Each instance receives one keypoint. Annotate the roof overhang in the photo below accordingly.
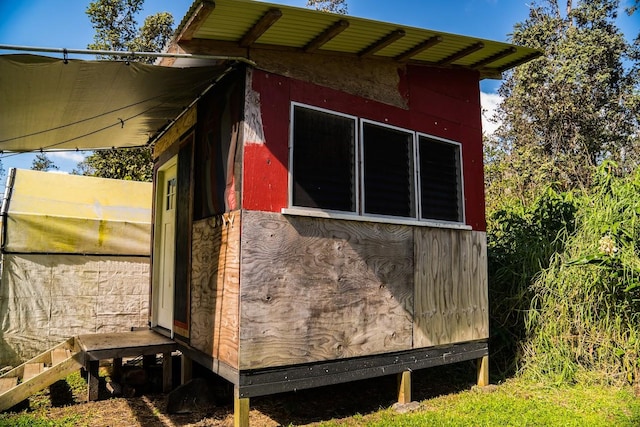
(54, 104)
(248, 25)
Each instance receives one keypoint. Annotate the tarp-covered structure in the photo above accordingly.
(75, 259)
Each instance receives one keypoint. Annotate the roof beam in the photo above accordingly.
(264, 23)
(326, 36)
(196, 20)
(520, 61)
(405, 56)
(380, 44)
(493, 58)
(461, 54)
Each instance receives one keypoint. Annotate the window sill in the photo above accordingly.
(316, 213)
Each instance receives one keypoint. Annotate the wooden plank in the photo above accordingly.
(44, 357)
(259, 28)
(215, 284)
(167, 372)
(7, 383)
(186, 369)
(124, 344)
(198, 17)
(175, 132)
(451, 297)
(320, 289)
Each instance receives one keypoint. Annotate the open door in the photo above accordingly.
(164, 245)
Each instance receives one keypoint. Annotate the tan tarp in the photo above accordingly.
(45, 299)
(57, 213)
(76, 260)
(47, 104)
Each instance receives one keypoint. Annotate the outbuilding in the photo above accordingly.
(319, 211)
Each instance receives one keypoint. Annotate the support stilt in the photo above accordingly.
(93, 379)
(167, 372)
(404, 387)
(240, 410)
(483, 371)
(186, 371)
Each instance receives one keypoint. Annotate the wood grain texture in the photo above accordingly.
(215, 286)
(451, 297)
(319, 289)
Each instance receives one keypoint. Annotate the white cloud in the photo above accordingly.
(74, 156)
(489, 103)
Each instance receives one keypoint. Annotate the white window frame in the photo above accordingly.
(358, 175)
(461, 200)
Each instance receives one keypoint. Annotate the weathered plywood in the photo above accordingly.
(215, 285)
(450, 287)
(319, 289)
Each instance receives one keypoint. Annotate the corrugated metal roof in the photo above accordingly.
(231, 20)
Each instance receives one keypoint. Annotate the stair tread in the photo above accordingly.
(7, 383)
(59, 355)
(31, 370)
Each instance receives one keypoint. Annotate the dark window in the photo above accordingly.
(323, 160)
(389, 187)
(440, 180)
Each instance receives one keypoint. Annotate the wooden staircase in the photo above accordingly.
(39, 372)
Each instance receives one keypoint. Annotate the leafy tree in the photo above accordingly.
(117, 29)
(572, 108)
(43, 163)
(335, 6)
(135, 164)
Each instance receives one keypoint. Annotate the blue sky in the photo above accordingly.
(64, 24)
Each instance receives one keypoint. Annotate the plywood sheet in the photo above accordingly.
(451, 299)
(215, 287)
(319, 289)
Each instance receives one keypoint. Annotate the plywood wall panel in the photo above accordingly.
(318, 289)
(215, 287)
(450, 287)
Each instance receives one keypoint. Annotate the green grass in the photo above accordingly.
(516, 403)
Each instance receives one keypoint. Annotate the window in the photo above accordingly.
(440, 180)
(323, 165)
(389, 180)
(381, 170)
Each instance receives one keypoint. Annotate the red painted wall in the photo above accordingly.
(442, 102)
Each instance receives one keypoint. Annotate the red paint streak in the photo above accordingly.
(442, 103)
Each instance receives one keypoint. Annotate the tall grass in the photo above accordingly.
(584, 319)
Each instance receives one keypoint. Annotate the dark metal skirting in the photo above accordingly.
(278, 380)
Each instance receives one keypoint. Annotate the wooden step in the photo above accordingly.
(31, 370)
(59, 355)
(7, 383)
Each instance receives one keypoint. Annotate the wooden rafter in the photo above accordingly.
(493, 58)
(461, 54)
(380, 44)
(198, 17)
(421, 47)
(326, 36)
(264, 23)
(520, 61)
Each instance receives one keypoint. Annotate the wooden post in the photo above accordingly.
(116, 371)
(483, 371)
(240, 409)
(167, 372)
(186, 369)
(93, 379)
(404, 387)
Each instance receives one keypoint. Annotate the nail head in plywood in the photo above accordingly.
(326, 36)
(259, 28)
